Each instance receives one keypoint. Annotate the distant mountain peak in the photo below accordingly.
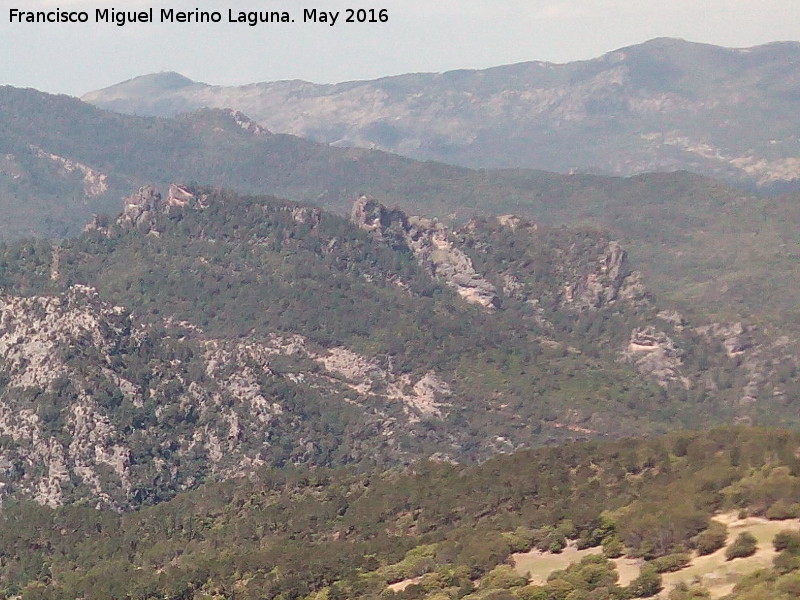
(663, 105)
(165, 82)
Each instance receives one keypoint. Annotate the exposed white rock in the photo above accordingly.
(140, 209)
(95, 183)
(179, 195)
(656, 356)
(608, 282)
(248, 124)
(344, 369)
(305, 215)
(34, 330)
(511, 221)
(431, 243)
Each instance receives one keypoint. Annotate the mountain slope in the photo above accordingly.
(663, 105)
(201, 335)
(441, 531)
(698, 242)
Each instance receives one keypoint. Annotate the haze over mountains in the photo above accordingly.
(208, 392)
(663, 105)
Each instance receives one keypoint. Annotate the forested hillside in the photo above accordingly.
(322, 534)
(237, 364)
(725, 253)
(201, 334)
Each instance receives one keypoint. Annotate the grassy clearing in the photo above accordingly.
(715, 573)
(537, 565)
(719, 575)
(401, 585)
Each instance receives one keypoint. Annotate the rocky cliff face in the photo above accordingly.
(608, 281)
(95, 183)
(657, 356)
(430, 242)
(444, 252)
(43, 340)
(79, 420)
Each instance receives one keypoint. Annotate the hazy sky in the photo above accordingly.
(430, 35)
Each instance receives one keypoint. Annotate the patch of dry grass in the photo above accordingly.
(715, 573)
(719, 575)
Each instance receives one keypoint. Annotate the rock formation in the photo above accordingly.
(431, 243)
(655, 355)
(608, 280)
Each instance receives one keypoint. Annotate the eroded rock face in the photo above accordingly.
(735, 337)
(179, 196)
(140, 209)
(655, 355)
(34, 329)
(65, 392)
(609, 280)
(305, 215)
(431, 243)
(41, 340)
(441, 251)
(764, 359)
(95, 183)
(246, 123)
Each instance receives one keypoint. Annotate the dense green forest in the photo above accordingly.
(225, 396)
(318, 533)
(208, 288)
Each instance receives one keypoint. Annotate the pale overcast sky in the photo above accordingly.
(421, 35)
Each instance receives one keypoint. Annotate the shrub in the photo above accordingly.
(786, 562)
(744, 545)
(683, 592)
(521, 539)
(612, 547)
(787, 539)
(670, 563)
(712, 539)
(783, 510)
(790, 585)
(503, 577)
(647, 584)
(532, 592)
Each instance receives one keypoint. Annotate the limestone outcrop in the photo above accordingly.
(656, 356)
(432, 245)
(608, 280)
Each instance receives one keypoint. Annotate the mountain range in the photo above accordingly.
(699, 243)
(240, 364)
(663, 105)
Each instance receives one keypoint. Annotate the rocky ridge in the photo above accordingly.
(124, 406)
(656, 348)
(430, 242)
(443, 252)
(47, 343)
(95, 183)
